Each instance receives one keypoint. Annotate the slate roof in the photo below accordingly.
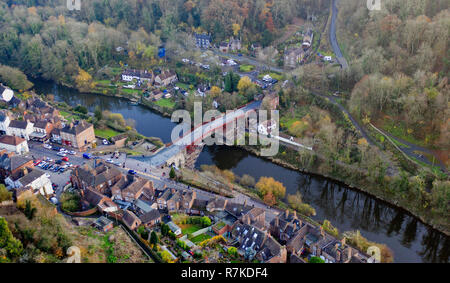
(18, 124)
(30, 177)
(13, 162)
(150, 216)
(76, 128)
(42, 124)
(96, 176)
(129, 218)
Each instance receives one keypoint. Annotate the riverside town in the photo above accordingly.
(246, 133)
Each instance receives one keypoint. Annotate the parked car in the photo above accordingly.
(72, 152)
(65, 158)
(110, 161)
(55, 148)
(87, 155)
(105, 142)
(47, 146)
(132, 172)
(61, 154)
(36, 163)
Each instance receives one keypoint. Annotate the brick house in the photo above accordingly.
(12, 165)
(129, 188)
(100, 178)
(79, 135)
(151, 218)
(131, 220)
(42, 130)
(165, 78)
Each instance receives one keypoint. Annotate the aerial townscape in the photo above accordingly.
(354, 98)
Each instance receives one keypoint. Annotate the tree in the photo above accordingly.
(164, 229)
(172, 173)
(269, 184)
(29, 210)
(83, 80)
(247, 181)
(236, 29)
(206, 222)
(215, 91)
(316, 259)
(11, 245)
(98, 113)
(14, 78)
(245, 84)
(4, 193)
(154, 240)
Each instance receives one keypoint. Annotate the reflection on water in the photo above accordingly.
(410, 240)
(148, 123)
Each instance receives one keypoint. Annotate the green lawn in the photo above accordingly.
(182, 85)
(131, 91)
(246, 68)
(103, 82)
(106, 134)
(164, 102)
(398, 129)
(189, 228)
(200, 238)
(274, 75)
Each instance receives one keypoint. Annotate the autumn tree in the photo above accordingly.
(267, 185)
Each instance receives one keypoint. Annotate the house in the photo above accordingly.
(272, 252)
(157, 94)
(235, 44)
(308, 240)
(4, 123)
(6, 94)
(13, 144)
(104, 224)
(308, 39)
(174, 200)
(21, 129)
(151, 218)
(12, 165)
(131, 220)
(202, 40)
(140, 75)
(293, 57)
(255, 217)
(285, 226)
(174, 228)
(143, 207)
(42, 130)
(100, 178)
(92, 198)
(256, 48)
(79, 135)
(216, 204)
(224, 46)
(119, 140)
(56, 135)
(165, 78)
(129, 188)
(33, 178)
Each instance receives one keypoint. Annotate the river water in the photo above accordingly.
(347, 209)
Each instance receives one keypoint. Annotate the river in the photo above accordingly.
(347, 209)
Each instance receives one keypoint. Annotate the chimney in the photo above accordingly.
(25, 171)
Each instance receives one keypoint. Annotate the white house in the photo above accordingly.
(14, 144)
(35, 179)
(4, 123)
(6, 94)
(21, 129)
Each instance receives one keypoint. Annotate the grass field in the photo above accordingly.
(106, 134)
(164, 102)
(246, 68)
(398, 129)
(200, 238)
(189, 228)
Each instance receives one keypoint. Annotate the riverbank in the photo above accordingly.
(440, 224)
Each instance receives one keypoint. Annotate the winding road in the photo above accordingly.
(333, 40)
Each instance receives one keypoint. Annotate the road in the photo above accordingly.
(248, 60)
(333, 39)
